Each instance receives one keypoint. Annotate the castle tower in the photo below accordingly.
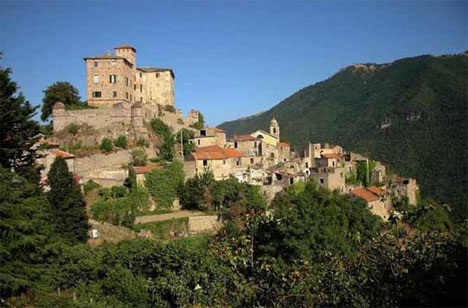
(274, 128)
(127, 52)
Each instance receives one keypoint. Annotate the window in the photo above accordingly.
(96, 63)
(157, 75)
(238, 162)
(235, 145)
(141, 99)
(203, 133)
(134, 87)
(114, 93)
(112, 78)
(113, 63)
(333, 163)
(224, 161)
(274, 130)
(141, 88)
(198, 141)
(126, 81)
(126, 95)
(307, 165)
(97, 94)
(205, 162)
(96, 78)
(322, 181)
(341, 174)
(251, 160)
(141, 75)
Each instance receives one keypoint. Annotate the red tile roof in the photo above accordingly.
(48, 142)
(284, 144)
(376, 190)
(146, 169)
(243, 138)
(219, 130)
(232, 153)
(365, 194)
(215, 152)
(332, 155)
(60, 153)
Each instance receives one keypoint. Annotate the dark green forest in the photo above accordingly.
(424, 99)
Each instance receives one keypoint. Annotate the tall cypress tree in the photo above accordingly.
(68, 205)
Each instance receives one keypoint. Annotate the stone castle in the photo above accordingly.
(123, 96)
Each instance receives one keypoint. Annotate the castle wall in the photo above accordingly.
(158, 88)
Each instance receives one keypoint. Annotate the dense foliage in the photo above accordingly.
(163, 184)
(119, 205)
(16, 125)
(167, 140)
(68, 206)
(61, 91)
(423, 99)
(107, 145)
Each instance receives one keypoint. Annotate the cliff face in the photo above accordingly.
(410, 114)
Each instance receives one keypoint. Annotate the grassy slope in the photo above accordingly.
(348, 108)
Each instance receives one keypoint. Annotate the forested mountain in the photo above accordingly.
(410, 114)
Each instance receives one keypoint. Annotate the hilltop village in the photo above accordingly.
(123, 99)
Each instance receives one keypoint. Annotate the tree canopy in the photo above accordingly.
(60, 91)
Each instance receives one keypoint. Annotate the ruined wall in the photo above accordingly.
(102, 162)
(202, 224)
(119, 116)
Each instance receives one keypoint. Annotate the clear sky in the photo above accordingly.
(231, 58)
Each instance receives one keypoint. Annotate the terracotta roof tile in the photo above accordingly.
(48, 142)
(243, 138)
(284, 144)
(215, 152)
(365, 194)
(332, 155)
(61, 153)
(146, 169)
(376, 190)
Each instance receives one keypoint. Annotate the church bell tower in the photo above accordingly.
(274, 128)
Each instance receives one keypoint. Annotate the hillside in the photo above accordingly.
(410, 114)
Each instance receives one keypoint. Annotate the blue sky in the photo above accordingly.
(231, 58)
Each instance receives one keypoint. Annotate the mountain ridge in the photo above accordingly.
(410, 114)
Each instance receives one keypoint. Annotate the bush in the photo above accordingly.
(90, 186)
(160, 128)
(106, 145)
(139, 157)
(121, 142)
(164, 184)
(169, 108)
(113, 192)
(142, 142)
(73, 129)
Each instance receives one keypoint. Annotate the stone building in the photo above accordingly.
(115, 78)
(209, 136)
(376, 199)
(223, 162)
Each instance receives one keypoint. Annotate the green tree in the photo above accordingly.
(68, 205)
(185, 135)
(16, 124)
(164, 184)
(61, 91)
(201, 122)
(26, 232)
(139, 157)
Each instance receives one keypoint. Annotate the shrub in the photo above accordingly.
(113, 192)
(73, 129)
(121, 142)
(169, 108)
(163, 184)
(139, 157)
(106, 145)
(90, 186)
(142, 142)
(160, 128)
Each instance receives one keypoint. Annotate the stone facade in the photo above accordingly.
(113, 79)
